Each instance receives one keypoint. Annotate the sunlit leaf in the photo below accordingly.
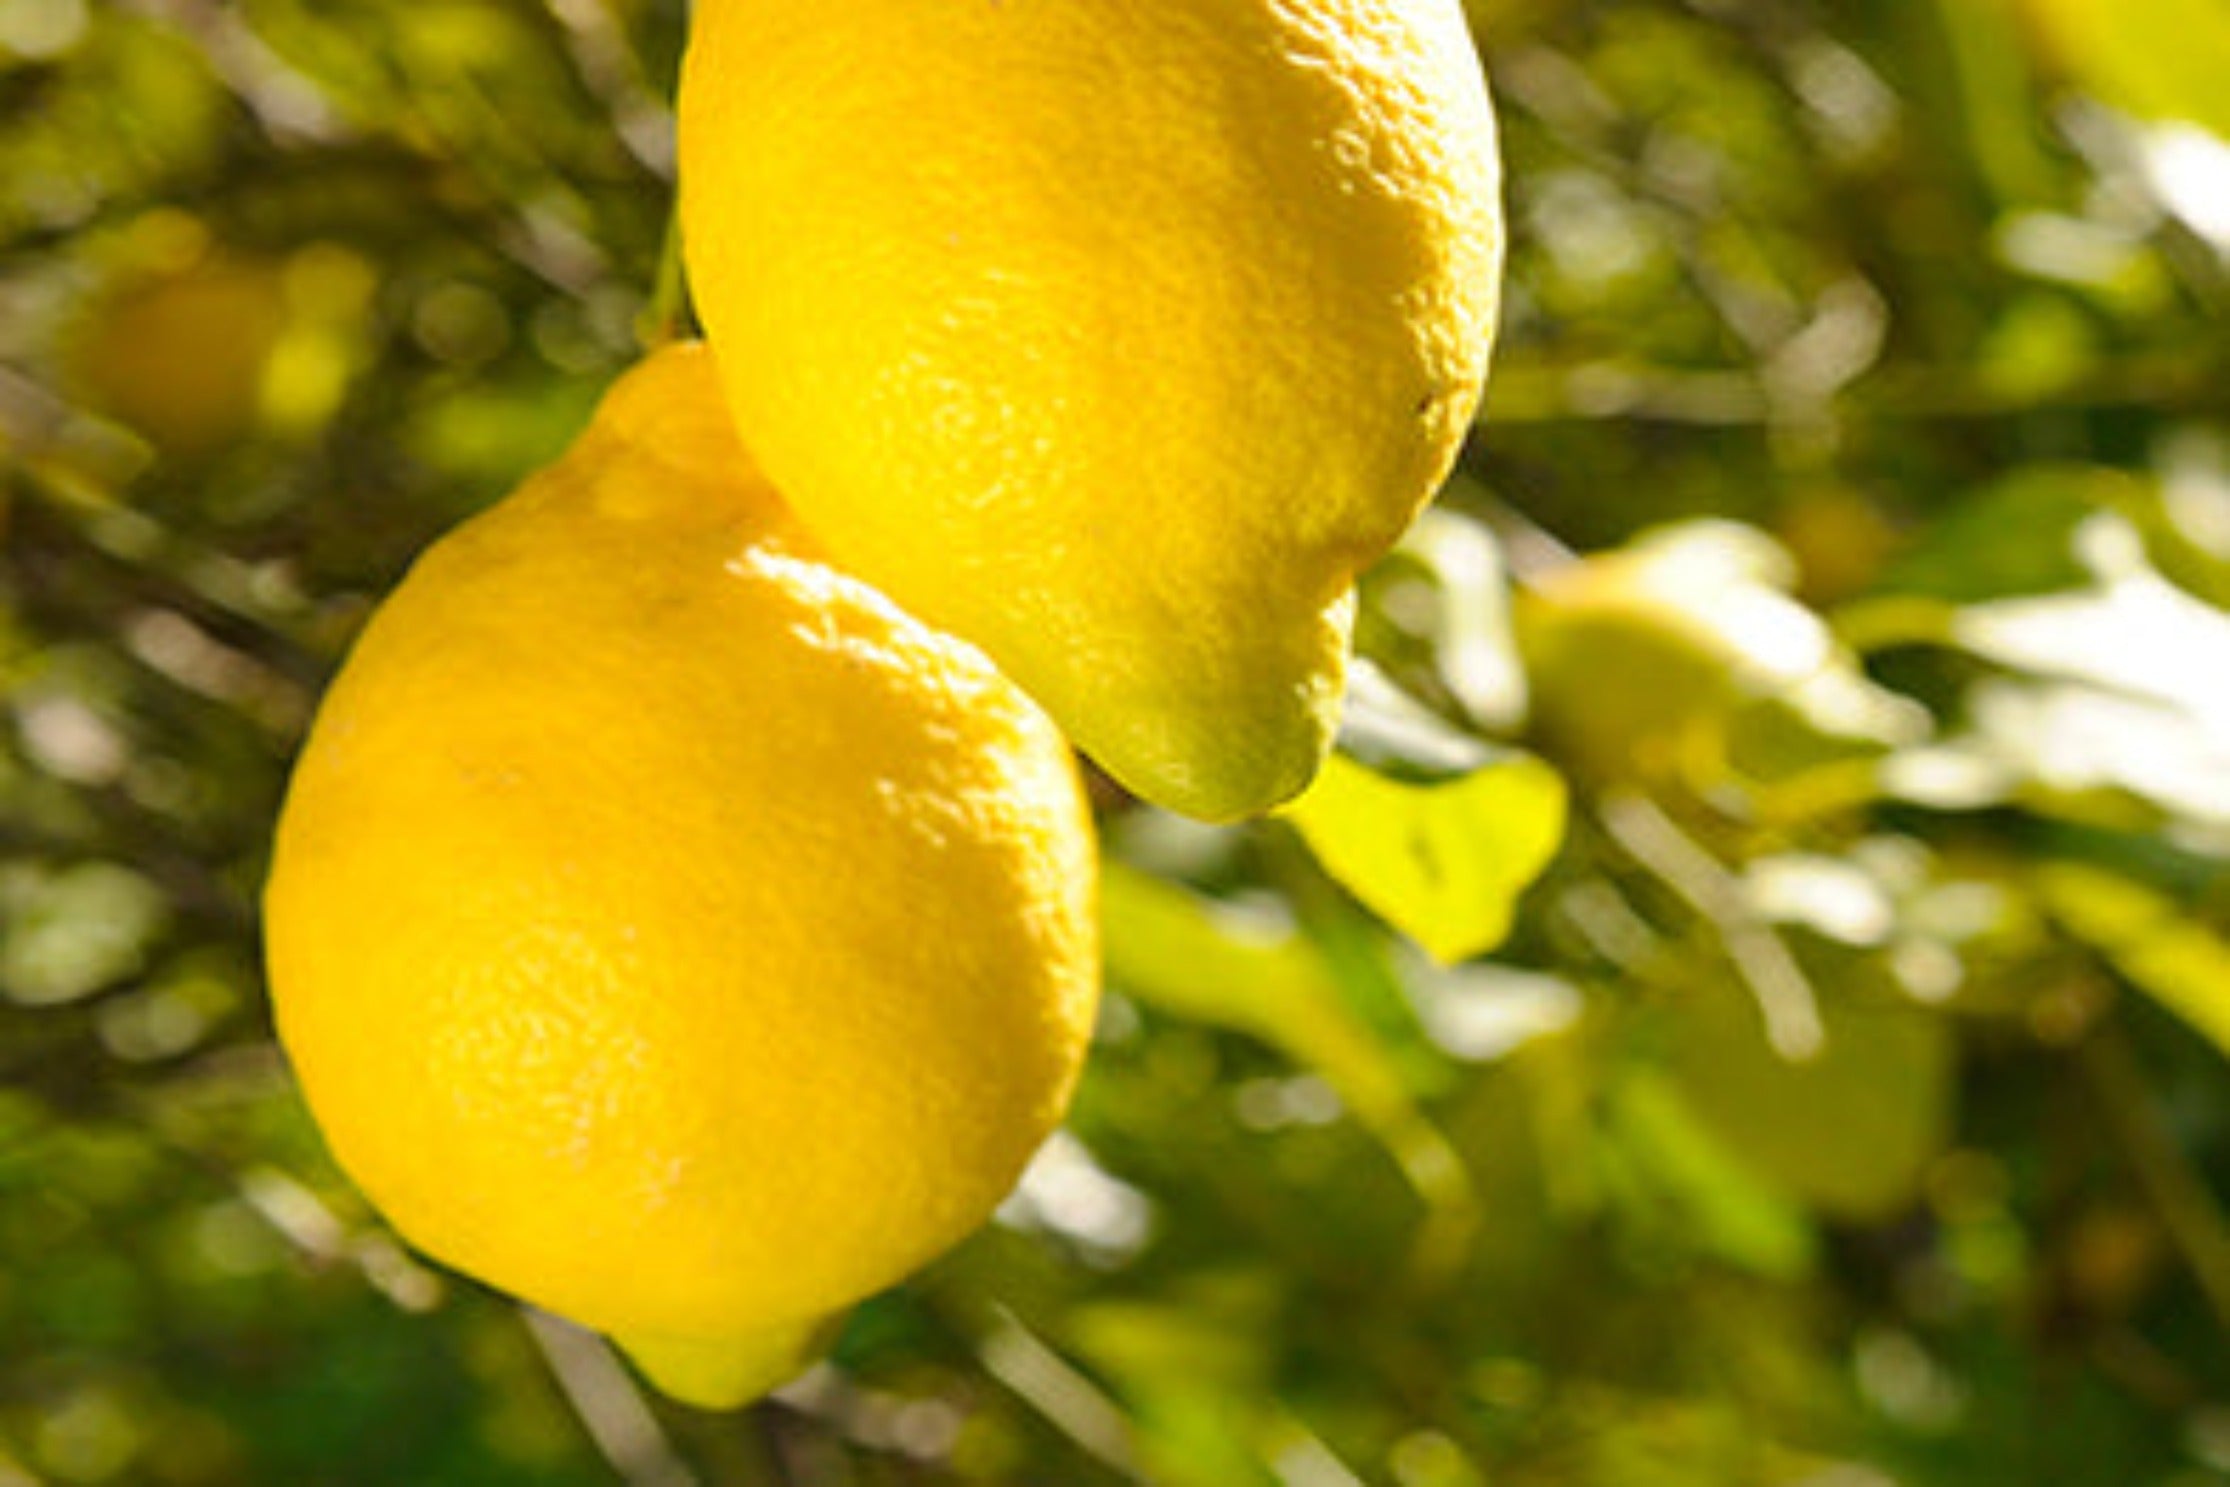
(2154, 58)
(1474, 649)
(2131, 692)
(2069, 739)
(2135, 633)
(1444, 863)
(2154, 942)
(2190, 169)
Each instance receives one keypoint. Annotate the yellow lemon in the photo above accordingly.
(1639, 659)
(1115, 337)
(1626, 684)
(665, 927)
(183, 356)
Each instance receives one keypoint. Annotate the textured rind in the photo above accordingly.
(664, 927)
(1117, 338)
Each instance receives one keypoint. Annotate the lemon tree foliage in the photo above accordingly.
(1442, 861)
(1747, 1004)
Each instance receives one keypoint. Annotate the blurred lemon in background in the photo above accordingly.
(197, 344)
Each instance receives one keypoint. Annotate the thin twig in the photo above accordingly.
(1051, 1385)
(1784, 995)
(610, 1406)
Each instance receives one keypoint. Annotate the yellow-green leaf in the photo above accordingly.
(2156, 58)
(2150, 939)
(1443, 862)
(1726, 1206)
(1849, 1131)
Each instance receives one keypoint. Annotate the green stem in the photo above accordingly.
(664, 319)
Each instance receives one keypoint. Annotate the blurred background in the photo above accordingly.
(1749, 1007)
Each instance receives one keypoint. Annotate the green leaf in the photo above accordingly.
(1232, 966)
(1850, 1131)
(75, 931)
(2155, 58)
(2150, 939)
(1250, 970)
(1443, 863)
(1229, 965)
(2012, 537)
(1724, 1206)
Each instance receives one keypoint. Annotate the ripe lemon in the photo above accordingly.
(1639, 659)
(1117, 337)
(224, 315)
(666, 928)
(1626, 684)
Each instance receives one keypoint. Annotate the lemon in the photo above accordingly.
(664, 927)
(224, 315)
(1116, 338)
(1640, 659)
(1627, 684)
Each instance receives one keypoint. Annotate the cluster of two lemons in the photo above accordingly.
(682, 934)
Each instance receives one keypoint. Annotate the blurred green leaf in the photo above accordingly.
(2155, 58)
(1723, 1205)
(1247, 970)
(1444, 863)
(66, 934)
(1850, 1130)
(1228, 965)
(2154, 942)
(2014, 536)
(2131, 692)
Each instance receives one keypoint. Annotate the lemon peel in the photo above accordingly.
(666, 928)
(1116, 338)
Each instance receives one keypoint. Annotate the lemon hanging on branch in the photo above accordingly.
(1115, 338)
(666, 928)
